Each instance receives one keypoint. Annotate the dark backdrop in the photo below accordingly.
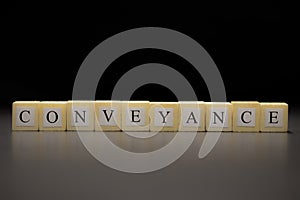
(43, 46)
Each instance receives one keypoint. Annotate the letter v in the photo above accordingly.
(106, 116)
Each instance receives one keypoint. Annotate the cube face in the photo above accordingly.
(274, 117)
(164, 116)
(52, 116)
(25, 115)
(108, 115)
(80, 115)
(135, 115)
(246, 116)
(192, 116)
(218, 116)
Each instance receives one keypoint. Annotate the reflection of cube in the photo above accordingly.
(108, 115)
(274, 117)
(53, 116)
(135, 115)
(25, 115)
(80, 115)
(246, 116)
(164, 116)
(218, 116)
(192, 116)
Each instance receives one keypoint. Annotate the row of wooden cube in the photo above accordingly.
(237, 116)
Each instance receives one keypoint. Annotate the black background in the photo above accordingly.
(254, 46)
(43, 46)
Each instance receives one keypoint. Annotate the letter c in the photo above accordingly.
(21, 116)
(242, 117)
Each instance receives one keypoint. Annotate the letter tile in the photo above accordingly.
(52, 116)
(274, 117)
(135, 115)
(246, 116)
(108, 115)
(164, 116)
(218, 116)
(192, 116)
(80, 115)
(25, 115)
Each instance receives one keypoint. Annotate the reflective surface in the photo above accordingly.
(55, 165)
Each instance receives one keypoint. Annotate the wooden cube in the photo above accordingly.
(164, 116)
(192, 116)
(218, 116)
(25, 115)
(80, 115)
(108, 115)
(246, 116)
(52, 116)
(274, 117)
(135, 115)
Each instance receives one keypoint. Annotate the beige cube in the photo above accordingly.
(218, 116)
(80, 115)
(164, 116)
(192, 116)
(25, 115)
(108, 115)
(274, 117)
(246, 115)
(53, 116)
(135, 115)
